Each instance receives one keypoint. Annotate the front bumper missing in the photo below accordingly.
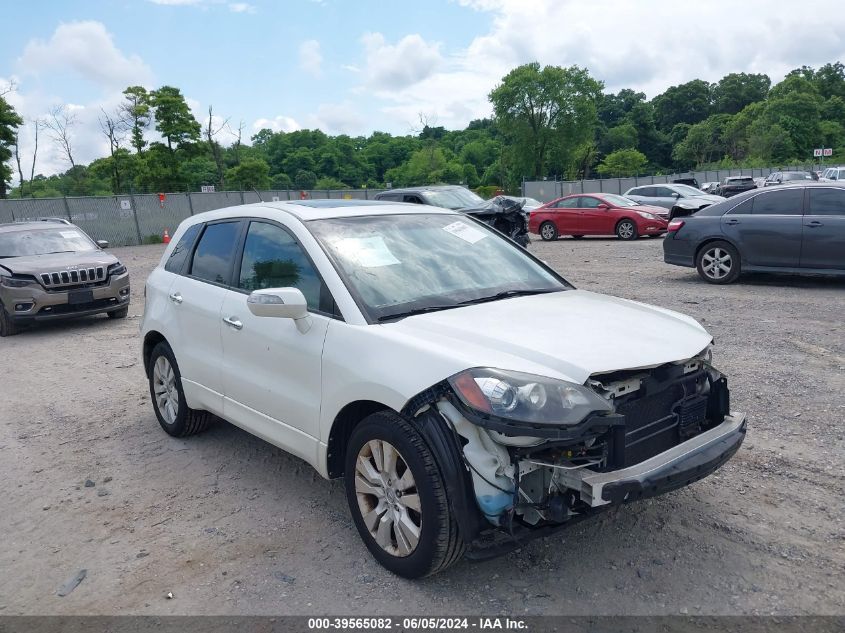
(680, 465)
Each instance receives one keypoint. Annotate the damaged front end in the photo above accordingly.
(504, 215)
(535, 453)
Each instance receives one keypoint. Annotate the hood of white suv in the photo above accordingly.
(570, 335)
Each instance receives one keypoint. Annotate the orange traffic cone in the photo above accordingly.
(166, 237)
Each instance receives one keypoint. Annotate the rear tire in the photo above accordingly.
(7, 326)
(548, 231)
(718, 263)
(168, 398)
(398, 499)
(626, 230)
(119, 314)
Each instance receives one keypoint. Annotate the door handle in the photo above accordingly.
(233, 322)
(175, 297)
(814, 224)
(731, 222)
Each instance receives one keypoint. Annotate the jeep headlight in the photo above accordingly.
(525, 397)
(12, 282)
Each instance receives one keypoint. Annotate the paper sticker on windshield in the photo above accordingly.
(464, 231)
(367, 252)
(69, 234)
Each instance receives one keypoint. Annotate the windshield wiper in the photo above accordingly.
(424, 310)
(57, 252)
(505, 294)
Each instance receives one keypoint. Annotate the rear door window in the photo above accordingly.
(780, 202)
(588, 202)
(826, 201)
(214, 256)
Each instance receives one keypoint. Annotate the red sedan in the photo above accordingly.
(597, 214)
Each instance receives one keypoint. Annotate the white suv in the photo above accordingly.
(462, 387)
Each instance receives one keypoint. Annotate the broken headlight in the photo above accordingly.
(525, 397)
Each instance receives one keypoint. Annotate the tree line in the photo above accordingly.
(547, 121)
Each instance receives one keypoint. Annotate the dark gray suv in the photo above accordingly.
(795, 228)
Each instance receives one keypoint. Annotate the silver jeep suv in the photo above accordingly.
(50, 269)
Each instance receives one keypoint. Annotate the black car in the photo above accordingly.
(793, 228)
(503, 213)
(734, 185)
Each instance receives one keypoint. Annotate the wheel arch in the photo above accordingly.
(344, 423)
(151, 339)
(715, 238)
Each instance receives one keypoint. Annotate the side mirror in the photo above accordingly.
(603, 206)
(281, 303)
(675, 194)
(102, 243)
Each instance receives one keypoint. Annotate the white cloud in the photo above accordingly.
(279, 123)
(310, 58)
(86, 48)
(619, 41)
(394, 67)
(336, 118)
(241, 7)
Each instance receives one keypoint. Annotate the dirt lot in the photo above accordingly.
(231, 525)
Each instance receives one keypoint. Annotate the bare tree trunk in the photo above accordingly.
(216, 154)
(38, 123)
(18, 161)
(114, 128)
(60, 124)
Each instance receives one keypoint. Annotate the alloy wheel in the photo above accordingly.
(548, 232)
(626, 230)
(166, 392)
(388, 498)
(717, 263)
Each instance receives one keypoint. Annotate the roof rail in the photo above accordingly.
(59, 220)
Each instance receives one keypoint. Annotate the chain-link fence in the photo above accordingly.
(547, 190)
(133, 219)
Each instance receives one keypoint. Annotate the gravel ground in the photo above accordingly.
(231, 525)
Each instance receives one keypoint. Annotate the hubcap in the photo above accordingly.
(716, 263)
(626, 230)
(387, 498)
(164, 387)
(548, 231)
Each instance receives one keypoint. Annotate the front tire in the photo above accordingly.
(626, 230)
(122, 313)
(398, 499)
(171, 409)
(548, 231)
(718, 263)
(7, 326)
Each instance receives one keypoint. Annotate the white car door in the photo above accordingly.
(197, 296)
(272, 370)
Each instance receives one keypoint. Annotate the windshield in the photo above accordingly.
(620, 201)
(453, 198)
(796, 175)
(399, 264)
(687, 190)
(66, 239)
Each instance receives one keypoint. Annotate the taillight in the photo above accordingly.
(675, 225)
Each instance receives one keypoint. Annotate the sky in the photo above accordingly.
(358, 66)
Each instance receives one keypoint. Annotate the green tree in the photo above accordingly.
(623, 162)
(305, 179)
(251, 173)
(735, 91)
(621, 136)
(545, 111)
(174, 119)
(9, 123)
(136, 110)
(685, 103)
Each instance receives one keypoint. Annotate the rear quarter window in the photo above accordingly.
(827, 201)
(179, 254)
